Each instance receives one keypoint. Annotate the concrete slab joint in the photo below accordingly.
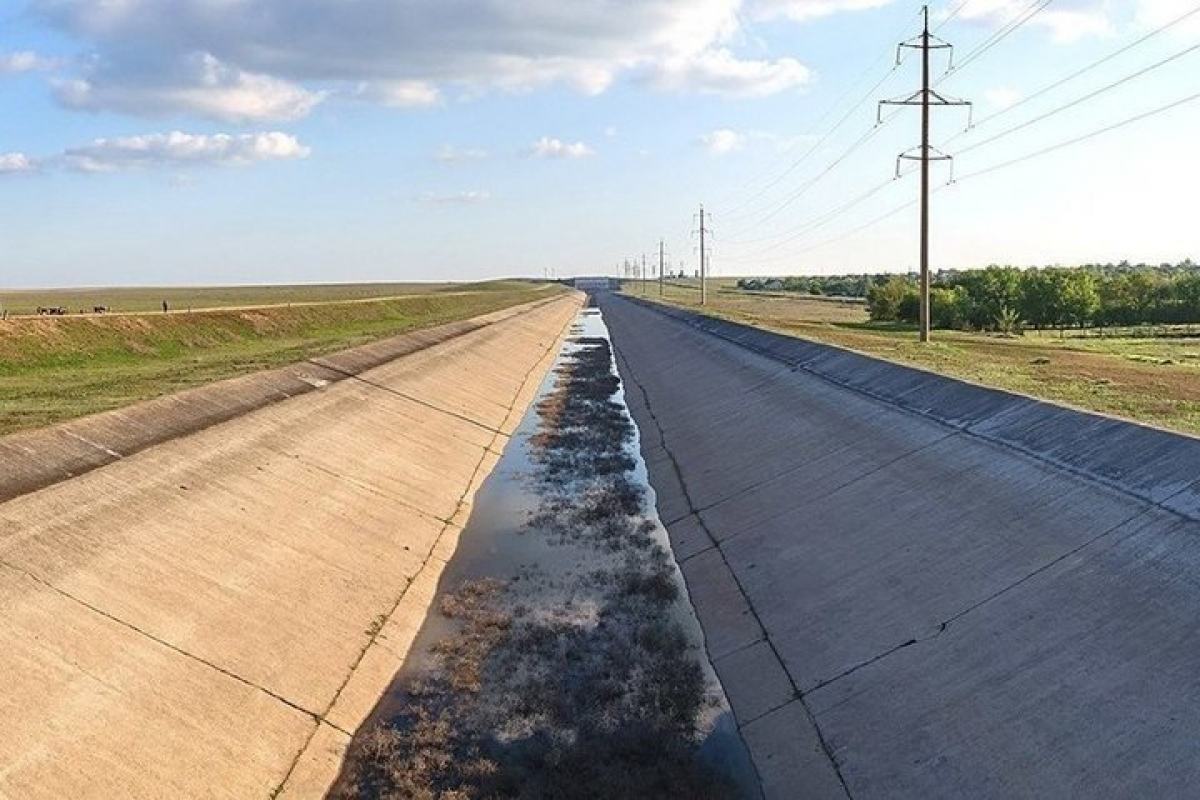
(217, 612)
(913, 587)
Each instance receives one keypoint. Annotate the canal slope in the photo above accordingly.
(561, 657)
(912, 587)
(213, 615)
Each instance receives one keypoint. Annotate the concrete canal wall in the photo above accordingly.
(215, 601)
(915, 587)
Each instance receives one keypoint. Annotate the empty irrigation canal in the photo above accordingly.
(913, 587)
(562, 658)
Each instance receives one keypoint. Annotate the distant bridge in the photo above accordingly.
(594, 284)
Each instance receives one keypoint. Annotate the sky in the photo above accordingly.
(202, 142)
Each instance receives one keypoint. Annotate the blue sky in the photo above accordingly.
(247, 141)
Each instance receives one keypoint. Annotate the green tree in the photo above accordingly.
(1078, 299)
(885, 300)
(949, 307)
(988, 291)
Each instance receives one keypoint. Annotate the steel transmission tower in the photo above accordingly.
(925, 98)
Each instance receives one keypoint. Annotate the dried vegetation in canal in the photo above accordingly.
(576, 682)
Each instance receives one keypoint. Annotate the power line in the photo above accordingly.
(734, 212)
(824, 138)
(1079, 139)
(853, 231)
(1031, 11)
(1083, 71)
(816, 222)
(808, 185)
(1084, 99)
(952, 15)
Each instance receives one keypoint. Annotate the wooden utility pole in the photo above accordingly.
(662, 254)
(924, 98)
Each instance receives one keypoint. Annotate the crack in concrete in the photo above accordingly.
(682, 561)
(793, 699)
(891, 401)
(431, 406)
(367, 487)
(847, 484)
(945, 625)
(158, 640)
(377, 630)
(797, 694)
(106, 450)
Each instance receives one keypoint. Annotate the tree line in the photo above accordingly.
(1009, 299)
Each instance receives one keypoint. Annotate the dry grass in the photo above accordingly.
(144, 299)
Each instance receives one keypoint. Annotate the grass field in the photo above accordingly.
(1148, 378)
(58, 368)
(141, 299)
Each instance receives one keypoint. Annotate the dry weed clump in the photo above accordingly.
(576, 684)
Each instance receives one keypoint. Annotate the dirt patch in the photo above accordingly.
(571, 679)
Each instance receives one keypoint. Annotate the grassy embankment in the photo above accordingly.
(1139, 375)
(182, 298)
(58, 368)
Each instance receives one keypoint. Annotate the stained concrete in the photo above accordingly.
(214, 615)
(970, 593)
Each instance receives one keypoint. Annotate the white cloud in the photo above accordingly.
(720, 72)
(721, 142)
(175, 150)
(555, 148)
(25, 61)
(16, 164)
(449, 154)
(1002, 97)
(1066, 24)
(255, 60)
(1155, 13)
(200, 84)
(456, 198)
(805, 10)
(402, 94)
(612, 132)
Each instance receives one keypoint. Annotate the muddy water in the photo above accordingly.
(546, 595)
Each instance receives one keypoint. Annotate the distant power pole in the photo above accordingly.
(703, 260)
(643, 274)
(662, 255)
(925, 98)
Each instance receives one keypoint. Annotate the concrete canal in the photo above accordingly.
(562, 657)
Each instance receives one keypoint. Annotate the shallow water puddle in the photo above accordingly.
(562, 658)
